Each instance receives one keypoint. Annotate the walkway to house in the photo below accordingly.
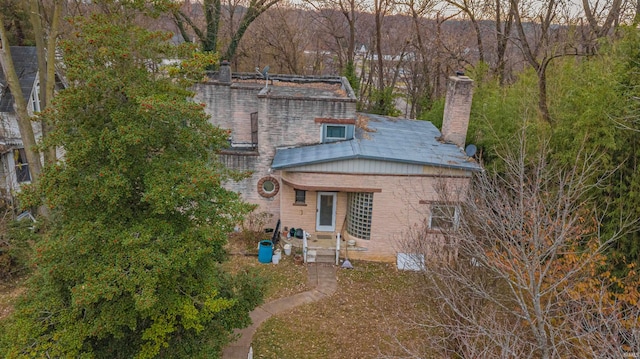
(321, 277)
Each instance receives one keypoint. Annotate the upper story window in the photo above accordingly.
(336, 129)
(337, 132)
(331, 132)
(35, 98)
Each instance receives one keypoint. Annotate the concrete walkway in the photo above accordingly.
(321, 277)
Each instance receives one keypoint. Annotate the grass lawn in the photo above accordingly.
(284, 279)
(366, 318)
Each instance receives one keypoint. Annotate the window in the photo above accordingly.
(337, 132)
(334, 133)
(35, 98)
(443, 216)
(22, 166)
(301, 196)
(268, 187)
(359, 211)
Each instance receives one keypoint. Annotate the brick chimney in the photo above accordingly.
(457, 109)
(224, 75)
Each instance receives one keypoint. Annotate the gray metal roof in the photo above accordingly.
(386, 139)
(26, 63)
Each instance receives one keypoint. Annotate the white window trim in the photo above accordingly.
(456, 215)
(325, 136)
(35, 98)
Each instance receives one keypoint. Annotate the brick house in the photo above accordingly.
(318, 164)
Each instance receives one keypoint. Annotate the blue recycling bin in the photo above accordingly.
(265, 252)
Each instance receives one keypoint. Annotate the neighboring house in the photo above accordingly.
(317, 164)
(14, 169)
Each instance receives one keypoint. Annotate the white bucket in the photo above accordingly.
(275, 259)
(287, 249)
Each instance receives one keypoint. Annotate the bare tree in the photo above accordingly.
(209, 33)
(519, 270)
(284, 34)
(342, 29)
(472, 9)
(541, 39)
(601, 19)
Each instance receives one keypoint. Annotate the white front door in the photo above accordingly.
(326, 212)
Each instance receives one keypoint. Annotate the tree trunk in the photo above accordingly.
(247, 19)
(542, 93)
(45, 62)
(212, 9)
(379, 14)
(24, 120)
(50, 155)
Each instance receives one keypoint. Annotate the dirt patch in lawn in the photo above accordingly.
(368, 317)
(10, 290)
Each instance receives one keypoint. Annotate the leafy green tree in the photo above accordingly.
(498, 115)
(382, 102)
(623, 191)
(131, 265)
(350, 73)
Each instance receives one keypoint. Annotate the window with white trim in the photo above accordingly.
(359, 213)
(21, 165)
(444, 216)
(35, 98)
(337, 132)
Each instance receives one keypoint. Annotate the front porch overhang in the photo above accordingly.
(314, 186)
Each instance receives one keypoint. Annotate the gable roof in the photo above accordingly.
(385, 139)
(25, 61)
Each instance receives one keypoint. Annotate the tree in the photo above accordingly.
(20, 105)
(131, 265)
(209, 36)
(46, 52)
(16, 22)
(528, 277)
(46, 81)
(282, 35)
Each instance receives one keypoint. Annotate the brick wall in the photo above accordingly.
(230, 107)
(457, 109)
(282, 121)
(403, 202)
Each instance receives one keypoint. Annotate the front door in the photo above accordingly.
(326, 212)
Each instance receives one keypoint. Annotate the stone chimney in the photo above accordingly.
(457, 109)
(224, 75)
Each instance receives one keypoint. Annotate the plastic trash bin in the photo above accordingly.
(265, 252)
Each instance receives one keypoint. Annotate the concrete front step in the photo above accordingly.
(321, 256)
(326, 259)
(322, 251)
